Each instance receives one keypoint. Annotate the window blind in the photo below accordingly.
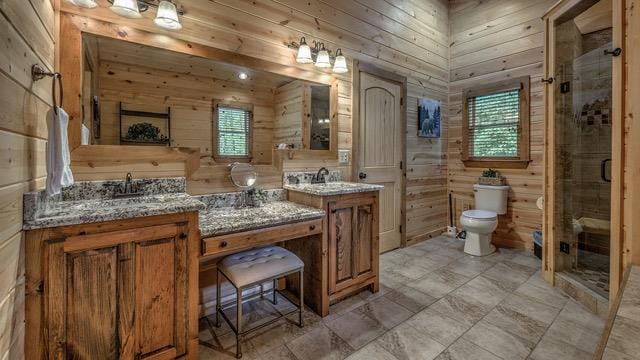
(494, 124)
(233, 131)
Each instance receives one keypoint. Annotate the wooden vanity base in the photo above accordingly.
(125, 289)
(351, 235)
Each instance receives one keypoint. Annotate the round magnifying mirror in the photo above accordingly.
(243, 175)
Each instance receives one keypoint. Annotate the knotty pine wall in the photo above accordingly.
(491, 41)
(191, 98)
(289, 100)
(27, 29)
(409, 37)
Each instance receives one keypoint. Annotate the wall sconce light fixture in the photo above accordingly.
(318, 55)
(166, 15)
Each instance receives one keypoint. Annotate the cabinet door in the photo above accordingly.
(118, 295)
(353, 242)
(342, 267)
(366, 253)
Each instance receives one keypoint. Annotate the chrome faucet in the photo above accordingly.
(321, 176)
(130, 188)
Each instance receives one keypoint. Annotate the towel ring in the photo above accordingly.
(38, 73)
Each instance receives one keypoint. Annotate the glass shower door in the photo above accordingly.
(583, 90)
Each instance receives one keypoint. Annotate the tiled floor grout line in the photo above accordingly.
(453, 260)
(415, 314)
(444, 251)
(484, 316)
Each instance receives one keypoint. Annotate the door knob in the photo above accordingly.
(362, 176)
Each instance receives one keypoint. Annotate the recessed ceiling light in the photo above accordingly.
(243, 75)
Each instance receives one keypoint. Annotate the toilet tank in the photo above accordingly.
(491, 197)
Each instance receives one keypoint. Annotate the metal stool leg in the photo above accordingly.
(238, 322)
(300, 274)
(275, 286)
(218, 299)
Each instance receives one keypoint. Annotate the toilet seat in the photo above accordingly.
(480, 215)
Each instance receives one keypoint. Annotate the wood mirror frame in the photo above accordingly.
(72, 65)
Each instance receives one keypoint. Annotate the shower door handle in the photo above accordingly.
(603, 170)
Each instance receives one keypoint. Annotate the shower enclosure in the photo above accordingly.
(578, 151)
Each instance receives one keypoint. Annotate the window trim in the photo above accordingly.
(215, 138)
(524, 157)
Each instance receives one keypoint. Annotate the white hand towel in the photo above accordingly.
(85, 135)
(58, 158)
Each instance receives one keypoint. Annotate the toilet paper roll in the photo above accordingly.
(540, 203)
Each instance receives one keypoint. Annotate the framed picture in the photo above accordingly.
(429, 118)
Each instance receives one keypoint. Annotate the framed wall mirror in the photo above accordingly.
(135, 94)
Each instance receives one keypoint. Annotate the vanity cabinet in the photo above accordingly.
(352, 237)
(351, 242)
(114, 290)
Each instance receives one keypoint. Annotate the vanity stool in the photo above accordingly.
(252, 268)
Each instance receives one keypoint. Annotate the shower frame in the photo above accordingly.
(560, 12)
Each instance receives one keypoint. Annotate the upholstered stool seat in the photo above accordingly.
(252, 268)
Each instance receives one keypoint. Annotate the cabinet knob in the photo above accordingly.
(223, 244)
(183, 236)
(312, 227)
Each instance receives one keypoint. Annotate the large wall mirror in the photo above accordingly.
(134, 94)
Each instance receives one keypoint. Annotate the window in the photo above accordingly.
(495, 129)
(232, 132)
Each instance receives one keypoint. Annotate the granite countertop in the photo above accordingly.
(97, 210)
(223, 220)
(333, 188)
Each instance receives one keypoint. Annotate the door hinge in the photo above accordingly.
(401, 165)
(400, 229)
(401, 101)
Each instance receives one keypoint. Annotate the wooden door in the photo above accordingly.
(118, 295)
(380, 151)
(353, 248)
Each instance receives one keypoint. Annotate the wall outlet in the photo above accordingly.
(343, 157)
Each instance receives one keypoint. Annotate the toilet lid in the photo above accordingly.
(480, 214)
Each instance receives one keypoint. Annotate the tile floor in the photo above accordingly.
(435, 302)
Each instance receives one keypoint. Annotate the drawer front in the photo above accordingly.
(229, 243)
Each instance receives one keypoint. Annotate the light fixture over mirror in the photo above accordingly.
(87, 4)
(319, 55)
(304, 53)
(126, 8)
(167, 14)
(340, 63)
(322, 60)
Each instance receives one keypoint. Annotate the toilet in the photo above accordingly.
(479, 223)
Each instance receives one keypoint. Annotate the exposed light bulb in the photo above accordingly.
(167, 16)
(304, 53)
(126, 8)
(323, 61)
(87, 4)
(340, 64)
(243, 75)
